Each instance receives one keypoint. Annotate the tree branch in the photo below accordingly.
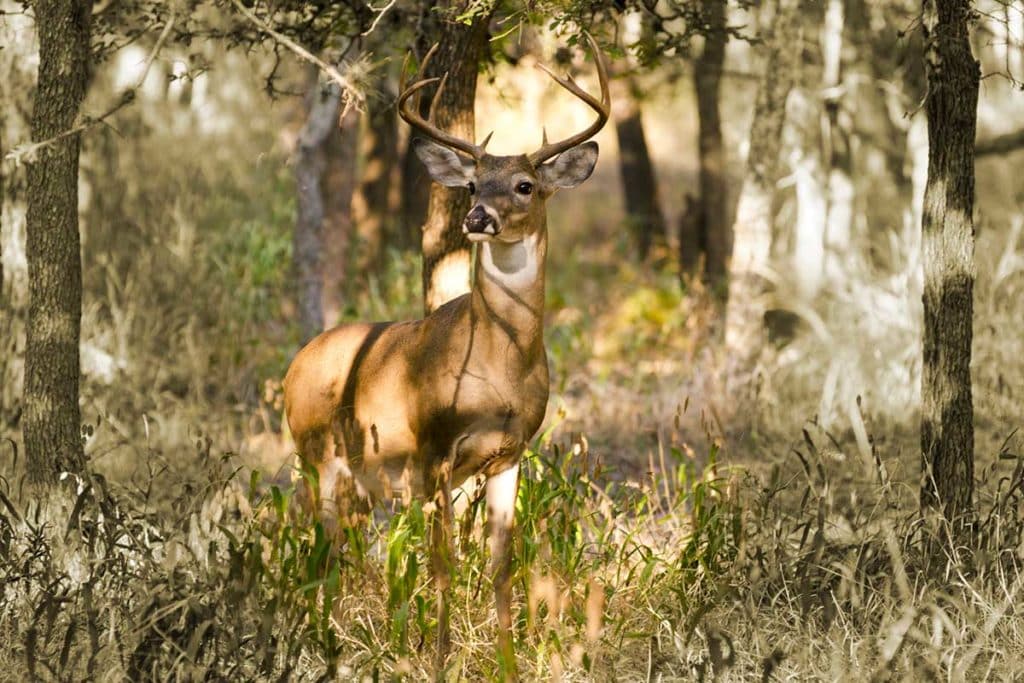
(348, 88)
(1001, 144)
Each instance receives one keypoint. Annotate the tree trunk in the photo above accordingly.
(947, 428)
(804, 140)
(836, 148)
(643, 212)
(52, 422)
(445, 249)
(712, 223)
(308, 239)
(338, 185)
(371, 208)
(744, 319)
(691, 251)
(3, 295)
(415, 195)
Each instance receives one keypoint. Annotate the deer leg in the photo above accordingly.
(502, 489)
(440, 559)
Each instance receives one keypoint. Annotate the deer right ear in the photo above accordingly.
(444, 165)
(570, 168)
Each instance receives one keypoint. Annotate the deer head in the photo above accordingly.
(508, 192)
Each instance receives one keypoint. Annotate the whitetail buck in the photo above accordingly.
(413, 409)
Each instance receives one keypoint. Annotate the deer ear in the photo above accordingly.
(443, 165)
(570, 168)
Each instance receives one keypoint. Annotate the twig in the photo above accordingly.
(349, 90)
(29, 151)
(380, 15)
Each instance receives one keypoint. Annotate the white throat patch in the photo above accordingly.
(514, 265)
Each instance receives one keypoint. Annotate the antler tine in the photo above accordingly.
(411, 115)
(602, 107)
(427, 57)
(437, 97)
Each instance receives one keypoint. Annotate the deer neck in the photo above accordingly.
(508, 292)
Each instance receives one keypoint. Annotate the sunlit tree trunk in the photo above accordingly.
(52, 422)
(947, 428)
(805, 142)
(836, 147)
(338, 185)
(640, 188)
(744, 328)
(308, 238)
(445, 249)
(371, 206)
(712, 217)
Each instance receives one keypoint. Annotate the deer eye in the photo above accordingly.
(472, 188)
(524, 187)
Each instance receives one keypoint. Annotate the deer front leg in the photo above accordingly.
(502, 489)
(440, 559)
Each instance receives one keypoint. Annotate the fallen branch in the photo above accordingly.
(28, 152)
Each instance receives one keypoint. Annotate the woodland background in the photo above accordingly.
(732, 481)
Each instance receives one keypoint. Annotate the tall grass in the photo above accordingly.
(710, 573)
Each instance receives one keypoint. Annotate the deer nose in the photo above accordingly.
(479, 221)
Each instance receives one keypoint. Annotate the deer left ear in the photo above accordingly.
(571, 167)
(443, 165)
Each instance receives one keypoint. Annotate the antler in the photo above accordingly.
(412, 116)
(603, 108)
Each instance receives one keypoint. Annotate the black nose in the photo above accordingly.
(478, 220)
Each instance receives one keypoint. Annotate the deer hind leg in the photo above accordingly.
(441, 555)
(502, 489)
(328, 490)
(309, 458)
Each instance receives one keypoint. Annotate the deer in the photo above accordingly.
(403, 410)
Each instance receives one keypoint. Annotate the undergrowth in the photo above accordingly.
(707, 574)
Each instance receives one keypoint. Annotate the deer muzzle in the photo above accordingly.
(480, 221)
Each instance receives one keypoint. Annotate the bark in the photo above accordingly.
(947, 429)
(744, 320)
(338, 185)
(640, 189)
(308, 239)
(713, 226)
(52, 422)
(371, 206)
(445, 250)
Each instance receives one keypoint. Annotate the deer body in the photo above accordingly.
(397, 402)
(412, 409)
